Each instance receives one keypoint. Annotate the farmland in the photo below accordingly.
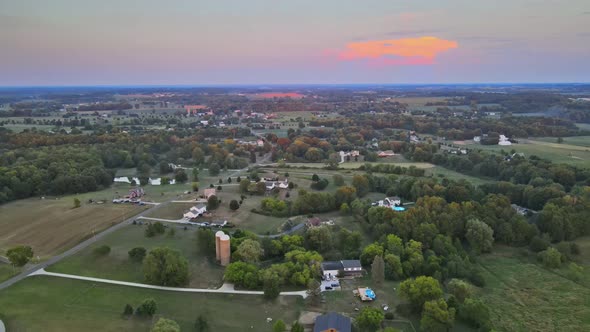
(116, 265)
(56, 224)
(54, 304)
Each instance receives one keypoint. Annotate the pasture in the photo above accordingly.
(54, 304)
(524, 296)
(117, 265)
(574, 155)
(51, 226)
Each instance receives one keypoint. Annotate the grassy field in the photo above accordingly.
(583, 141)
(7, 271)
(524, 296)
(438, 170)
(51, 226)
(116, 265)
(585, 126)
(355, 165)
(54, 304)
(558, 153)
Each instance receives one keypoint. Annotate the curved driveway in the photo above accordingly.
(225, 289)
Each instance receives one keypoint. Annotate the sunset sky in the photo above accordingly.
(184, 42)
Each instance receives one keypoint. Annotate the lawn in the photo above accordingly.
(524, 296)
(583, 141)
(203, 272)
(7, 271)
(54, 304)
(51, 226)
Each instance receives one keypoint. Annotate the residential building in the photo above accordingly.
(346, 267)
(209, 192)
(332, 322)
(195, 211)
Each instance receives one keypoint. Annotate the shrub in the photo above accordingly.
(147, 308)
(128, 310)
(389, 315)
(538, 244)
(551, 258)
(137, 254)
(102, 250)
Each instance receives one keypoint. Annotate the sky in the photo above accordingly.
(213, 42)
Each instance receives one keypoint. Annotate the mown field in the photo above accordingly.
(116, 265)
(55, 304)
(524, 296)
(51, 226)
(7, 271)
(558, 153)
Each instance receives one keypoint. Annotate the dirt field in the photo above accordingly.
(51, 226)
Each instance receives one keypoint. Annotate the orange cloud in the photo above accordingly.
(405, 51)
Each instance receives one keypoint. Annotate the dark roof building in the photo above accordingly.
(351, 264)
(331, 265)
(332, 322)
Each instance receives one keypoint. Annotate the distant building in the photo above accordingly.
(386, 153)
(313, 222)
(332, 322)
(209, 192)
(389, 202)
(504, 140)
(195, 212)
(477, 139)
(194, 109)
(346, 267)
(122, 179)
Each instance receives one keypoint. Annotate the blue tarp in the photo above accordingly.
(370, 293)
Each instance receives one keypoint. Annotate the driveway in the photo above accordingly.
(224, 289)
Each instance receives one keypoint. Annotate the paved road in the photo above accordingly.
(2, 328)
(32, 268)
(4, 260)
(225, 289)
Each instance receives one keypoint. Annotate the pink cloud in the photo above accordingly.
(405, 51)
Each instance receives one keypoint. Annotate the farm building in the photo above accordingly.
(195, 212)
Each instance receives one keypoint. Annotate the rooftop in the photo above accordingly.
(334, 321)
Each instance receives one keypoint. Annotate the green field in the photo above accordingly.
(203, 272)
(558, 153)
(55, 304)
(524, 296)
(453, 175)
(583, 141)
(7, 271)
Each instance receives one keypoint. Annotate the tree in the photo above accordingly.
(344, 209)
(180, 176)
(393, 267)
(201, 324)
(212, 202)
(369, 319)
(315, 178)
(147, 308)
(475, 312)
(338, 180)
(234, 205)
(319, 238)
(314, 292)
(279, 326)
(214, 169)
(369, 253)
(102, 250)
(436, 316)
(195, 186)
(551, 258)
(195, 174)
(206, 241)
(166, 325)
(137, 254)
(244, 184)
(128, 310)
(165, 267)
(460, 289)
(361, 183)
(76, 203)
(296, 327)
(249, 251)
(418, 291)
(378, 270)
(19, 255)
(479, 235)
(271, 285)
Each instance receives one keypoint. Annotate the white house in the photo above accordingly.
(195, 211)
(477, 139)
(155, 182)
(122, 179)
(504, 140)
(347, 267)
(284, 184)
(390, 201)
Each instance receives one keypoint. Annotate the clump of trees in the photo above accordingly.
(19, 255)
(165, 267)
